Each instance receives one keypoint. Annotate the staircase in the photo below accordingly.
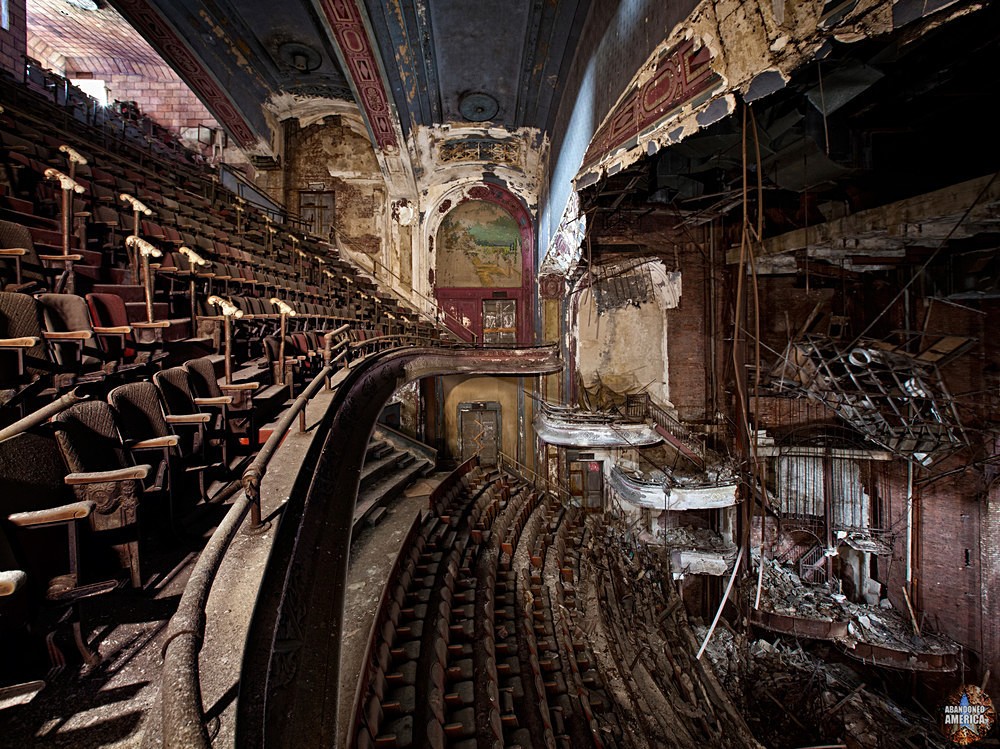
(812, 565)
(390, 467)
(686, 442)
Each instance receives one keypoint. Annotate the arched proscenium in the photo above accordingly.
(291, 664)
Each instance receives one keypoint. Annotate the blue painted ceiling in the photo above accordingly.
(434, 53)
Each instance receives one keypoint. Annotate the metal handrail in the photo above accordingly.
(180, 691)
(43, 414)
(520, 469)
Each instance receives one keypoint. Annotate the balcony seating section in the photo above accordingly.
(156, 431)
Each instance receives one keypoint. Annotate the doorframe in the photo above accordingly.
(466, 407)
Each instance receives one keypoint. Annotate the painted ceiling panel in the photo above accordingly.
(479, 48)
(251, 52)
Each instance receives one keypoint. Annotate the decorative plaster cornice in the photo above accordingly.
(351, 35)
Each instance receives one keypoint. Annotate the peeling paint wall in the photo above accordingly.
(624, 349)
(334, 156)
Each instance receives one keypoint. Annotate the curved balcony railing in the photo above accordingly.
(295, 596)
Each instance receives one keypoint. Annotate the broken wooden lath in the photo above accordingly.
(622, 284)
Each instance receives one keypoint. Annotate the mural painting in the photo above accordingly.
(479, 245)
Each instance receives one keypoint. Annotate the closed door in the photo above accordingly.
(479, 431)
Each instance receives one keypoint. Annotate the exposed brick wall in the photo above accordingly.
(956, 522)
(169, 102)
(100, 44)
(12, 41)
(687, 338)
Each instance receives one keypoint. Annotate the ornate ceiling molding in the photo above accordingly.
(348, 27)
(673, 79)
(148, 22)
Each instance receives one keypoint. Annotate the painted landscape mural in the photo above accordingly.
(479, 245)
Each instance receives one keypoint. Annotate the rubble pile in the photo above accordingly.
(645, 631)
(783, 592)
(695, 539)
(797, 699)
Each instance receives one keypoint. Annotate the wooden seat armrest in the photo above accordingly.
(219, 400)
(188, 418)
(116, 330)
(97, 477)
(240, 386)
(11, 580)
(66, 335)
(72, 511)
(59, 258)
(13, 252)
(18, 342)
(167, 440)
(150, 325)
(212, 317)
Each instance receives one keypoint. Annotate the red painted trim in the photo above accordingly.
(148, 22)
(351, 35)
(523, 294)
(682, 73)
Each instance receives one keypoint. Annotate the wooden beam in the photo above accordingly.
(891, 219)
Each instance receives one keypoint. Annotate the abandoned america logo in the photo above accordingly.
(967, 716)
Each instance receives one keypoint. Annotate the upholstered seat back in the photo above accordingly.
(20, 318)
(88, 437)
(201, 376)
(175, 391)
(13, 236)
(140, 415)
(31, 473)
(67, 312)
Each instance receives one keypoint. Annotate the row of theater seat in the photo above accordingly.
(424, 632)
(144, 456)
(214, 231)
(121, 125)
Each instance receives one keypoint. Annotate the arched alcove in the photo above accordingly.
(484, 263)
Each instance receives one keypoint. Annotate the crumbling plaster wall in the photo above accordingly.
(755, 46)
(624, 349)
(444, 184)
(332, 155)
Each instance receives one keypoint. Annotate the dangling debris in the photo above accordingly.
(896, 398)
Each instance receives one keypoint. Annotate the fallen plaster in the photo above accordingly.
(867, 629)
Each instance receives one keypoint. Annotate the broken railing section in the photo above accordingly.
(693, 551)
(689, 444)
(877, 635)
(896, 398)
